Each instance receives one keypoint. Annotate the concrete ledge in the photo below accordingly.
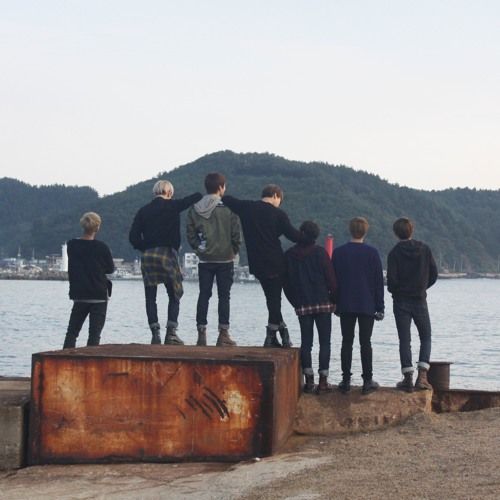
(337, 413)
(14, 405)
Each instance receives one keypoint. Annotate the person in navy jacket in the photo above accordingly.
(360, 298)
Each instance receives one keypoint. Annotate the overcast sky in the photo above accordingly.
(109, 93)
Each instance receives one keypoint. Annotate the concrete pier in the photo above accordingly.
(14, 405)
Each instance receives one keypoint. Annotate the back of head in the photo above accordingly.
(213, 182)
(358, 227)
(163, 188)
(90, 222)
(403, 228)
(271, 190)
(309, 231)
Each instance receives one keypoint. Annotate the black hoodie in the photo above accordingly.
(410, 270)
(88, 263)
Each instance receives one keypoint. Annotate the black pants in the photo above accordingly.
(152, 309)
(97, 317)
(324, 325)
(223, 273)
(347, 325)
(272, 290)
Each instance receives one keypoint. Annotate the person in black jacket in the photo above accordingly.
(310, 287)
(156, 233)
(89, 260)
(263, 222)
(411, 270)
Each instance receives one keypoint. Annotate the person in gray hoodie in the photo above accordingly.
(213, 231)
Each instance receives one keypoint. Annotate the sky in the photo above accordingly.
(110, 93)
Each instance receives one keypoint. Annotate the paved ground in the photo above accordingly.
(430, 456)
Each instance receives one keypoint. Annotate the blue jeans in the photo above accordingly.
(324, 325)
(152, 309)
(223, 272)
(406, 310)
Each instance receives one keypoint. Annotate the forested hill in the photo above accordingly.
(461, 225)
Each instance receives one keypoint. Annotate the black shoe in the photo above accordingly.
(369, 386)
(407, 383)
(309, 385)
(345, 386)
(285, 336)
(271, 339)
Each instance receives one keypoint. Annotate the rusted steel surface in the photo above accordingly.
(456, 400)
(161, 403)
(439, 375)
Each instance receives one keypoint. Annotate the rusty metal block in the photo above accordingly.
(161, 403)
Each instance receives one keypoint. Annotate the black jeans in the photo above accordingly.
(347, 325)
(272, 290)
(152, 310)
(97, 317)
(223, 272)
(406, 310)
(324, 326)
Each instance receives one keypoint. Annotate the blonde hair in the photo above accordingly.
(358, 227)
(90, 222)
(163, 187)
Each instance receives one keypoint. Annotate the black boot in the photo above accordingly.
(171, 338)
(202, 335)
(271, 339)
(285, 336)
(309, 385)
(407, 383)
(369, 386)
(345, 386)
(155, 333)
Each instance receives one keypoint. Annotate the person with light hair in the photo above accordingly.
(89, 260)
(156, 233)
(360, 299)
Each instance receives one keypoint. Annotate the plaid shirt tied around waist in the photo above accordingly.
(315, 309)
(161, 265)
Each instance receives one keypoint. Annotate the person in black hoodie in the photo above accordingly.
(89, 260)
(263, 222)
(411, 270)
(310, 287)
(156, 233)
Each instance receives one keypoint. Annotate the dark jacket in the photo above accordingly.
(158, 224)
(88, 263)
(360, 281)
(310, 280)
(213, 231)
(411, 269)
(263, 224)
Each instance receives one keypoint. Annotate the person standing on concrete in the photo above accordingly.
(411, 270)
(310, 287)
(213, 231)
(89, 260)
(360, 298)
(263, 223)
(156, 233)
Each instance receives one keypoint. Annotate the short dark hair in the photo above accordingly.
(358, 227)
(214, 181)
(270, 190)
(310, 231)
(403, 228)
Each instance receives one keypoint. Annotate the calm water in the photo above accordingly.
(465, 317)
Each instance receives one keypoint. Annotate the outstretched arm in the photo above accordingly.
(184, 203)
(288, 230)
(234, 204)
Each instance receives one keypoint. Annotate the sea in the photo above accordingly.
(465, 317)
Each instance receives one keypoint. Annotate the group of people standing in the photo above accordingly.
(349, 284)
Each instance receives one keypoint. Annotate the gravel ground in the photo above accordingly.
(430, 456)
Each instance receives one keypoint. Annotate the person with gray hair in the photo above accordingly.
(156, 233)
(89, 260)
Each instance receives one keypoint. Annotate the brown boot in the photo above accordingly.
(323, 385)
(309, 385)
(202, 335)
(224, 339)
(171, 338)
(422, 384)
(407, 383)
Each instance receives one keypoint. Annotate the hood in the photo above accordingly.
(206, 205)
(301, 252)
(410, 249)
